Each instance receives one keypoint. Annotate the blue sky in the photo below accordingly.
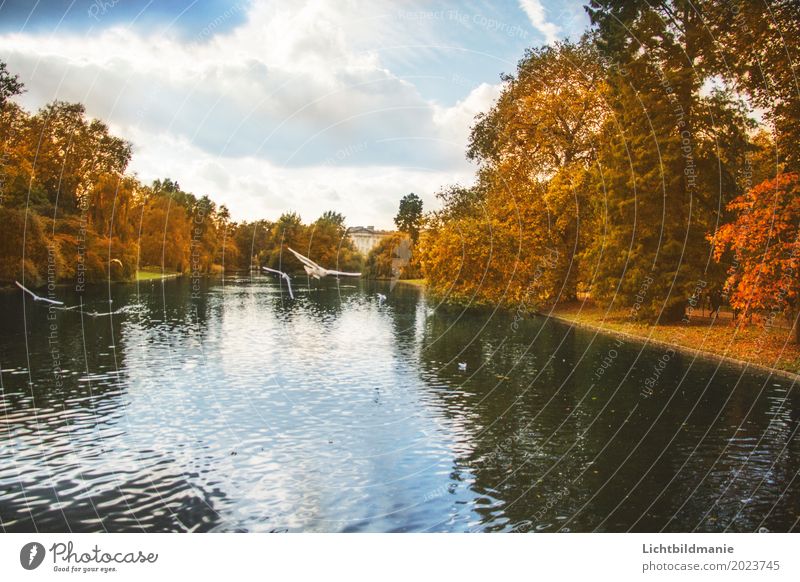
(275, 106)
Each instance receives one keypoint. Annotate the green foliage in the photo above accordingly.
(409, 216)
(756, 47)
(10, 85)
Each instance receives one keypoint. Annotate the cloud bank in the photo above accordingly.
(302, 106)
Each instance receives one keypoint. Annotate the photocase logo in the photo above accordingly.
(31, 555)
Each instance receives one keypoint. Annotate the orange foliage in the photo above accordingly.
(765, 242)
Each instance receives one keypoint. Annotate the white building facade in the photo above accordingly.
(366, 238)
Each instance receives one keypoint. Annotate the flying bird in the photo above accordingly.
(462, 366)
(381, 298)
(284, 276)
(36, 297)
(117, 261)
(314, 270)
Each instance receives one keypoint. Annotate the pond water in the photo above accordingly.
(237, 409)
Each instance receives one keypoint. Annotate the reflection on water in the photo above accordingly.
(241, 410)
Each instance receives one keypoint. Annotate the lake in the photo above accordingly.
(234, 408)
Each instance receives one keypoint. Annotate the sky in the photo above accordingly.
(275, 106)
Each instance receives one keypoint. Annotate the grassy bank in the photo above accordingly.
(147, 274)
(755, 344)
(416, 282)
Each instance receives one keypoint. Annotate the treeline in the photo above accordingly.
(649, 165)
(263, 243)
(68, 211)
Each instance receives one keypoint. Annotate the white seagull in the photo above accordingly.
(381, 298)
(316, 271)
(285, 277)
(36, 297)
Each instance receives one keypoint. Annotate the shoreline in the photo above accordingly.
(413, 282)
(706, 354)
(649, 336)
(153, 276)
(586, 318)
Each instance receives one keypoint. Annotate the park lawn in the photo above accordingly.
(753, 343)
(148, 274)
(417, 282)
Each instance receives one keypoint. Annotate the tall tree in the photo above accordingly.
(541, 136)
(668, 164)
(756, 47)
(409, 216)
(73, 153)
(549, 113)
(328, 243)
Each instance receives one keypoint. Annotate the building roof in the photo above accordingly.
(367, 230)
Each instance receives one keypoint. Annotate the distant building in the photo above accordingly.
(366, 238)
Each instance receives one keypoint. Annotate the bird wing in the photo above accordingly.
(26, 290)
(285, 276)
(36, 297)
(51, 301)
(304, 260)
(343, 274)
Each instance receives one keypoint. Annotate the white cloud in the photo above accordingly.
(293, 110)
(536, 14)
(456, 121)
(254, 188)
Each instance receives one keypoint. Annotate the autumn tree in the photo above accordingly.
(549, 113)
(253, 240)
(329, 245)
(23, 247)
(164, 234)
(393, 258)
(669, 156)
(73, 153)
(288, 231)
(764, 241)
(756, 48)
(68, 209)
(228, 252)
(489, 250)
(530, 204)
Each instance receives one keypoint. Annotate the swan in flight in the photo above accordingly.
(60, 305)
(36, 297)
(285, 277)
(316, 271)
